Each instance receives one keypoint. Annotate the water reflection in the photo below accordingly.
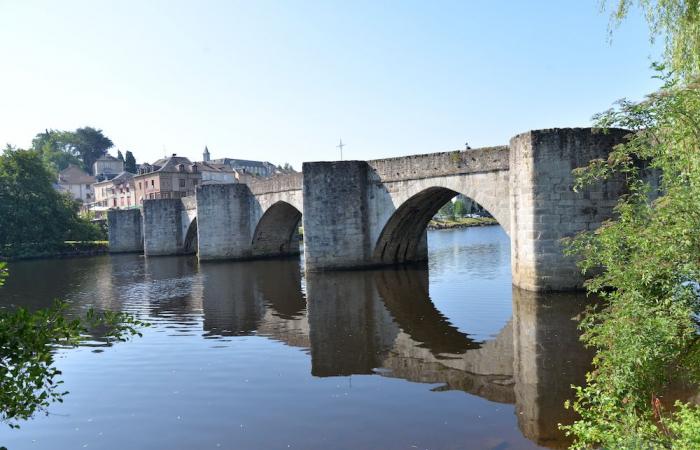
(378, 322)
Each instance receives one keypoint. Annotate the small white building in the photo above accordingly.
(107, 166)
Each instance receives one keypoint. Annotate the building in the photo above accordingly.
(77, 183)
(173, 177)
(115, 193)
(259, 168)
(217, 173)
(107, 167)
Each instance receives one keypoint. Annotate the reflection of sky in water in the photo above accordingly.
(229, 360)
(470, 280)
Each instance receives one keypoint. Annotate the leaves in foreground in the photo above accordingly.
(29, 381)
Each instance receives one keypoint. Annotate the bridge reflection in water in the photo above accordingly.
(384, 322)
(380, 322)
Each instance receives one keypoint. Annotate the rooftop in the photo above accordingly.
(74, 175)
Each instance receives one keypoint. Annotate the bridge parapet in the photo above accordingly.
(279, 183)
(431, 165)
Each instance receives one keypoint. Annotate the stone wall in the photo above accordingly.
(223, 221)
(336, 230)
(442, 164)
(278, 183)
(162, 227)
(544, 207)
(125, 230)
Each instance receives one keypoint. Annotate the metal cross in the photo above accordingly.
(340, 146)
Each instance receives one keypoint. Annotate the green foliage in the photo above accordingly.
(459, 208)
(31, 210)
(130, 162)
(447, 210)
(645, 265)
(90, 144)
(52, 249)
(29, 381)
(80, 147)
(677, 22)
(120, 157)
(56, 149)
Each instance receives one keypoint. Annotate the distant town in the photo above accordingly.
(112, 186)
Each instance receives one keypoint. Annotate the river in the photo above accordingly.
(258, 355)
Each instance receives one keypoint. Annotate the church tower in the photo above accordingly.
(206, 154)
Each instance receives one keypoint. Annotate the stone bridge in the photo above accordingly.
(371, 213)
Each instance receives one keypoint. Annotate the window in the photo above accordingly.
(153, 183)
(194, 182)
(140, 185)
(182, 182)
(114, 202)
(150, 195)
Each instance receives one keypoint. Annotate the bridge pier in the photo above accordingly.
(224, 221)
(336, 225)
(368, 213)
(359, 214)
(125, 230)
(545, 209)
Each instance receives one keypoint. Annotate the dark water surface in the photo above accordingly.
(257, 355)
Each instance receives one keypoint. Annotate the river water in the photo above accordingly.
(257, 355)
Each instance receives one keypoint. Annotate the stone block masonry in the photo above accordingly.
(162, 227)
(358, 214)
(223, 221)
(336, 229)
(544, 207)
(125, 230)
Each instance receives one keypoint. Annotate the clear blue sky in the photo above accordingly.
(284, 80)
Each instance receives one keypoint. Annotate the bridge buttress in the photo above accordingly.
(336, 228)
(223, 221)
(162, 227)
(125, 230)
(544, 207)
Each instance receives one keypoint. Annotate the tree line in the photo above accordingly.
(81, 147)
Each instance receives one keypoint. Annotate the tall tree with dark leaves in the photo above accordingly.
(130, 162)
(120, 157)
(91, 143)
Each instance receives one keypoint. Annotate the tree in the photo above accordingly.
(677, 23)
(29, 381)
(447, 210)
(90, 144)
(459, 208)
(56, 149)
(130, 162)
(31, 210)
(120, 157)
(644, 262)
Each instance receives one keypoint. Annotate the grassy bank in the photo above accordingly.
(65, 249)
(461, 222)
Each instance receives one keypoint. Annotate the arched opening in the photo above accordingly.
(277, 232)
(190, 244)
(403, 238)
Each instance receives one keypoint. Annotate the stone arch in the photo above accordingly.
(403, 237)
(276, 232)
(190, 244)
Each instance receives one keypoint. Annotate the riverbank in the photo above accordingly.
(462, 222)
(68, 249)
